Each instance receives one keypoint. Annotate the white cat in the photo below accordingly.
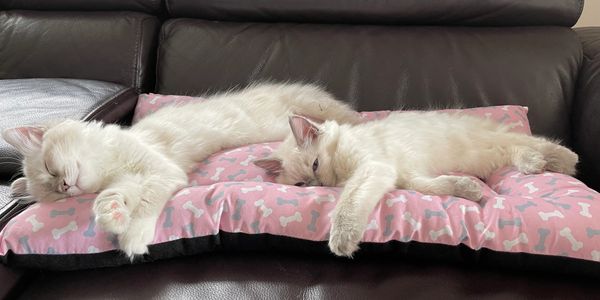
(407, 150)
(136, 170)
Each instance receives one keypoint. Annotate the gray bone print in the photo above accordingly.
(388, 225)
(89, 232)
(543, 233)
(524, 206)
(509, 222)
(168, 217)
(237, 214)
(314, 215)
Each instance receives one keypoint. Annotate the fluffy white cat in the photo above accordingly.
(406, 150)
(136, 170)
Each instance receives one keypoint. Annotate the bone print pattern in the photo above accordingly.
(207, 208)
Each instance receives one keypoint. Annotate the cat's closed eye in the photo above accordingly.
(48, 169)
(315, 165)
(299, 184)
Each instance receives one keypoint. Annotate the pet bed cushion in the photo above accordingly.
(232, 204)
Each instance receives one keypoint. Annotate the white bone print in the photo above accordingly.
(263, 208)
(509, 244)
(248, 160)
(414, 224)
(217, 175)
(575, 244)
(547, 215)
(464, 209)
(257, 188)
(585, 209)
(488, 235)
(198, 212)
(531, 188)
(435, 234)
(499, 203)
(284, 221)
(35, 224)
(58, 232)
(392, 201)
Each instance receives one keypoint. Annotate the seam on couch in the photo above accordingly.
(136, 55)
(161, 39)
(100, 111)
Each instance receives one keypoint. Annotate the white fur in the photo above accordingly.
(136, 170)
(408, 150)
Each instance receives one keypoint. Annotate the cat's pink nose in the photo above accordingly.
(65, 187)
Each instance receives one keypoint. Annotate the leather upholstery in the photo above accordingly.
(149, 6)
(383, 67)
(11, 279)
(278, 276)
(30, 101)
(4, 196)
(586, 125)
(405, 12)
(376, 67)
(115, 47)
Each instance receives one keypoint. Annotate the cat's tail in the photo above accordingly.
(557, 158)
(314, 102)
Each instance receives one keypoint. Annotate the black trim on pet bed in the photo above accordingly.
(241, 242)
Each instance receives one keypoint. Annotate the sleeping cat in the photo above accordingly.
(406, 150)
(136, 170)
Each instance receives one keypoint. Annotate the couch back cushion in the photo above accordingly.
(382, 67)
(148, 6)
(108, 46)
(413, 12)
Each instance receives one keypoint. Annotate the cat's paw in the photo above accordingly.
(468, 188)
(530, 162)
(344, 236)
(112, 214)
(135, 240)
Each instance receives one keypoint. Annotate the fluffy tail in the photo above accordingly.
(549, 155)
(558, 158)
(314, 102)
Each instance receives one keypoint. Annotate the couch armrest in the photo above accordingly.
(586, 110)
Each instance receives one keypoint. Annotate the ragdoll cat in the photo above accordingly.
(137, 170)
(406, 150)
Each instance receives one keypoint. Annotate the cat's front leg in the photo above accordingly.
(113, 206)
(155, 191)
(361, 194)
(131, 205)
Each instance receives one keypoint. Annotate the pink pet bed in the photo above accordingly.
(229, 199)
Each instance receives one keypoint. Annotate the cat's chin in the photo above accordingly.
(74, 191)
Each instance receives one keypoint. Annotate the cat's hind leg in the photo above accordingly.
(459, 186)
(527, 160)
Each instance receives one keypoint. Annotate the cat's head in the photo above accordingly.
(57, 159)
(305, 156)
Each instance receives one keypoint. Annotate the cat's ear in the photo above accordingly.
(27, 139)
(271, 165)
(304, 130)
